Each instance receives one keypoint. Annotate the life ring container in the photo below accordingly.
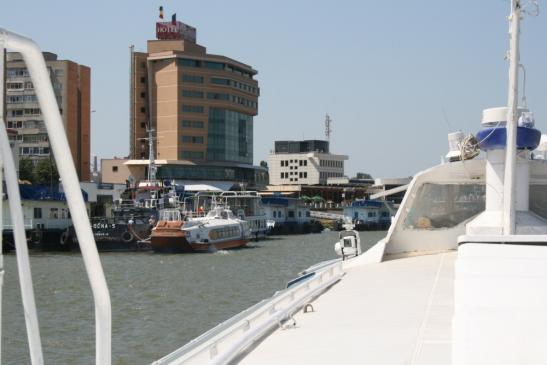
(127, 237)
(65, 237)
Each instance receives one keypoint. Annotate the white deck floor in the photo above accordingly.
(395, 312)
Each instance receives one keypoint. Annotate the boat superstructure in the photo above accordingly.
(218, 230)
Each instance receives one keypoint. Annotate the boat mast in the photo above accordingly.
(512, 117)
(151, 153)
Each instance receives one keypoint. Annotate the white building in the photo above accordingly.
(304, 163)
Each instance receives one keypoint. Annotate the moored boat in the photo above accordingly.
(218, 230)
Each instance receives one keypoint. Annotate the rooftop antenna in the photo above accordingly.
(328, 128)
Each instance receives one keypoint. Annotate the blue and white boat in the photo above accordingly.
(369, 215)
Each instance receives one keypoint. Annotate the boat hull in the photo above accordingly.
(176, 242)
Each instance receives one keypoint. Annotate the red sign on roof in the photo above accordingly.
(179, 30)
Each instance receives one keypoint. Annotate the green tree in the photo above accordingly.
(46, 172)
(363, 175)
(26, 169)
(263, 164)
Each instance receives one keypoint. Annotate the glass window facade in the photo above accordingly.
(230, 136)
(195, 155)
(255, 177)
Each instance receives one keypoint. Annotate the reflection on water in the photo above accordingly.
(159, 302)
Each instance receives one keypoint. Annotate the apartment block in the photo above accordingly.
(71, 84)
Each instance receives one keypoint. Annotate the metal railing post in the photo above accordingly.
(57, 137)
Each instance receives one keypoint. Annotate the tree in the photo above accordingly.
(26, 168)
(46, 172)
(263, 164)
(363, 175)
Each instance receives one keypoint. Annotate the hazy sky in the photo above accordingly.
(383, 70)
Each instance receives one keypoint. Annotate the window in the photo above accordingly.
(14, 85)
(187, 62)
(143, 94)
(282, 175)
(193, 155)
(143, 109)
(143, 125)
(445, 205)
(192, 78)
(114, 168)
(218, 96)
(192, 109)
(143, 79)
(305, 175)
(371, 214)
(192, 93)
(192, 139)
(192, 124)
(37, 213)
(219, 81)
(53, 213)
(59, 72)
(291, 214)
(213, 65)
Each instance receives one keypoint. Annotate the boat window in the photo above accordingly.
(538, 200)
(444, 205)
(53, 213)
(37, 213)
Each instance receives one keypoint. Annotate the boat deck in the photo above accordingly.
(394, 312)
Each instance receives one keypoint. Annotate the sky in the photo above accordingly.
(395, 76)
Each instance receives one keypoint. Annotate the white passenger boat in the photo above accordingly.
(218, 230)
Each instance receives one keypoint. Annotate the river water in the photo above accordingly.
(159, 302)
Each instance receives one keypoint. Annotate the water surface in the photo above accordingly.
(159, 302)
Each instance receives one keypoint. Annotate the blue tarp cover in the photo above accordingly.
(42, 192)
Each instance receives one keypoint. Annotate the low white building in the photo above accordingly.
(304, 163)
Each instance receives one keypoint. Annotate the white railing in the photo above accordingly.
(27, 223)
(48, 104)
(324, 215)
(225, 342)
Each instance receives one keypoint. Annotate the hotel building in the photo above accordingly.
(71, 84)
(200, 108)
(304, 163)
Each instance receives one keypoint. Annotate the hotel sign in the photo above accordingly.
(177, 30)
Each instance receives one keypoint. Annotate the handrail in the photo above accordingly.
(57, 137)
(16, 212)
(228, 340)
